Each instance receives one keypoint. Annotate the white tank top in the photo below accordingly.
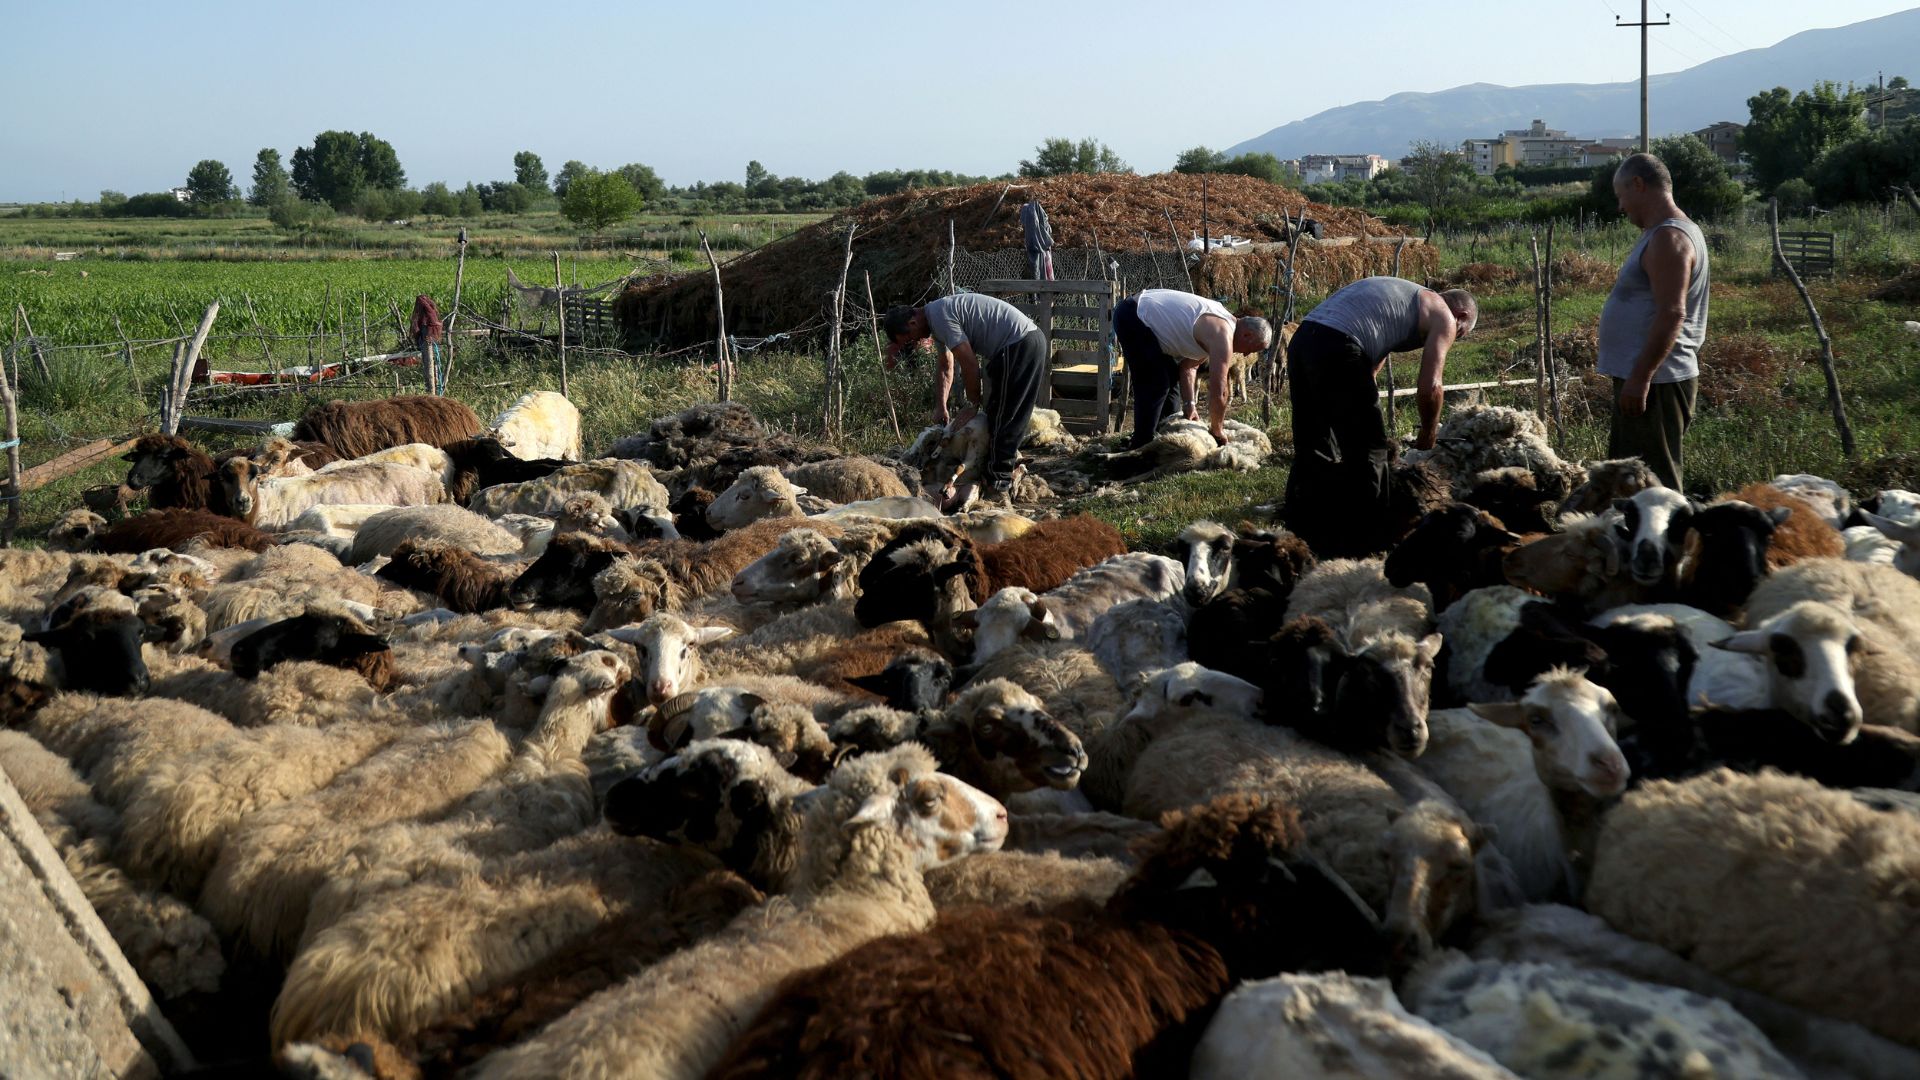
(1171, 315)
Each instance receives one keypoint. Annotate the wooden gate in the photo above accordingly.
(1807, 252)
(1077, 318)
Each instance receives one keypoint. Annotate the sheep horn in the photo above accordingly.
(676, 706)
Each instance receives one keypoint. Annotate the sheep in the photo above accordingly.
(1452, 551)
(1548, 1021)
(621, 483)
(413, 455)
(1804, 533)
(1382, 623)
(1775, 883)
(1415, 863)
(925, 574)
(341, 521)
(541, 424)
(913, 681)
(1555, 934)
(173, 528)
(998, 737)
(1071, 684)
(763, 492)
(259, 888)
(847, 480)
(1045, 556)
(669, 440)
(1024, 881)
(1478, 438)
(1543, 804)
(272, 504)
(354, 429)
(727, 796)
(94, 645)
(1829, 501)
(1218, 897)
(1661, 662)
(1070, 610)
(1159, 700)
(1607, 483)
(1330, 1027)
(381, 533)
(671, 574)
(1749, 740)
(1218, 559)
(1186, 445)
(1727, 550)
(1583, 563)
(1512, 495)
(75, 530)
(174, 950)
(879, 823)
(175, 474)
(299, 571)
(1139, 635)
(804, 566)
(460, 579)
(1840, 642)
(114, 746)
(1651, 527)
(334, 638)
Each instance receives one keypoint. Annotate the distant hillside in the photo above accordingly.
(1681, 101)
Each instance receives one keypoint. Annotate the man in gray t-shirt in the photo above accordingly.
(1654, 322)
(1002, 357)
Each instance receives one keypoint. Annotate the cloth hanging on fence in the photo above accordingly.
(1037, 232)
(425, 326)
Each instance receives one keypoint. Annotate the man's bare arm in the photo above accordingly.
(1216, 336)
(1429, 393)
(942, 386)
(969, 371)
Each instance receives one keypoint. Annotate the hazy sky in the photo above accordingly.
(128, 96)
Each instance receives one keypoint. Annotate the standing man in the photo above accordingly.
(1166, 335)
(965, 328)
(1654, 322)
(1337, 493)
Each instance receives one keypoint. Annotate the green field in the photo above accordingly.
(1763, 407)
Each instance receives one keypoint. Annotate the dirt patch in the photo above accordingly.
(1870, 476)
(1741, 368)
(1578, 270)
(1479, 275)
(1904, 289)
(901, 240)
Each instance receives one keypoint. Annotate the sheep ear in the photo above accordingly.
(831, 559)
(1780, 514)
(1430, 646)
(1041, 631)
(877, 810)
(969, 619)
(1508, 714)
(707, 635)
(1891, 529)
(752, 701)
(1201, 878)
(626, 635)
(539, 685)
(877, 683)
(1747, 641)
(798, 490)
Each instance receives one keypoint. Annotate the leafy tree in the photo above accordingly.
(1059, 157)
(596, 200)
(1898, 82)
(209, 184)
(1862, 168)
(1786, 132)
(644, 180)
(1199, 160)
(299, 215)
(470, 201)
(270, 180)
(340, 165)
(1795, 195)
(1701, 185)
(529, 172)
(1261, 166)
(112, 202)
(759, 180)
(437, 199)
(565, 176)
(506, 196)
(1439, 177)
(151, 204)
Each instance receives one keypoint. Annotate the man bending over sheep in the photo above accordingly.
(1654, 322)
(1337, 492)
(1167, 334)
(966, 328)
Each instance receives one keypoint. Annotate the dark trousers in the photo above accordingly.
(1153, 374)
(1338, 490)
(1655, 435)
(1013, 377)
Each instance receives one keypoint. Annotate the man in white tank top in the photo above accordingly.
(1165, 335)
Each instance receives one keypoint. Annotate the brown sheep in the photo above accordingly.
(1226, 893)
(1804, 535)
(463, 581)
(357, 428)
(173, 528)
(1048, 554)
(174, 473)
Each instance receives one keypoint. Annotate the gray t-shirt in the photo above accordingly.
(986, 323)
(1381, 313)
(1627, 318)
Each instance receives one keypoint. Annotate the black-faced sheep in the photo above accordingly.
(880, 822)
(1376, 620)
(356, 428)
(1218, 897)
(1451, 552)
(175, 474)
(332, 638)
(1775, 883)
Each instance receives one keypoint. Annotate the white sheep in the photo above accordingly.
(422, 456)
(273, 504)
(1180, 445)
(881, 821)
(381, 533)
(1068, 611)
(1775, 883)
(541, 424)
(1549, 1022)
(1825, 498)
(1139, 635)
(764, 492)
(1535, 771)
(1330, 1027)
(1477, 438)
(624, 484)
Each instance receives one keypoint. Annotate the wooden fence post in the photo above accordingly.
(459, 276)
(560, 304)
(265, 347)
(880, 357)
(1546, 318)
(184, 361)
(833, 409)
(1540, 336)
(952, 246)
(126, 353)
(33, 345)
(1819, 330)
(1178, 251)
(13, 457)
(723, 370)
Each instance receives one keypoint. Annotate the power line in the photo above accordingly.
(1643, 26)
(1716, 26)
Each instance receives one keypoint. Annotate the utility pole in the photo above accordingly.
(1883, 101)
(1646, 143)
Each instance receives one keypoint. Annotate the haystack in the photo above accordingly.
(902, 242)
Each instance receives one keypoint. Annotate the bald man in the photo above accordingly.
(1166, 335)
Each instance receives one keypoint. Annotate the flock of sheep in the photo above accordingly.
(721, 755)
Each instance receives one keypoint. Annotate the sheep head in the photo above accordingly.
(899, 798)
(1608, 482)
(1236, 873)
(1432, 848)
(667, 647)
(1165, 697)
(75, 530)
(1810, 649)
(1207, 550)
(802, 567)
(1008, 616)
(912, 681)
(758, 492)
(155, 458)
(331, 638)
(1003, 733)
(1572, 724)
(239, 479)
(1581, 561)
(1652, 525)
(97, 640)
(1387, 683)
(723, 795)
(1446, 543)
(563, 574)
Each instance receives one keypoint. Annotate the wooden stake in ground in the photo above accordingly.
(880, 357)
(366, 333)
(265, 348)
(126, 353)
(1391, 396)
(1819, 330)
(560, 304)
(952, 246)
(1178, 252)
(723, 368)
(459, 275)
(1546, 320)
(33, 344)
(183, 368)
(833, 408)
(12, 494)
(1539, 335)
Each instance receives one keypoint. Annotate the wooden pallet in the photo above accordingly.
(1807, 252)
(1080, 384)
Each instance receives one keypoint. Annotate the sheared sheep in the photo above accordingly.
(272, 504)
(1186, 445)
(622, 483)
(541, 424)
